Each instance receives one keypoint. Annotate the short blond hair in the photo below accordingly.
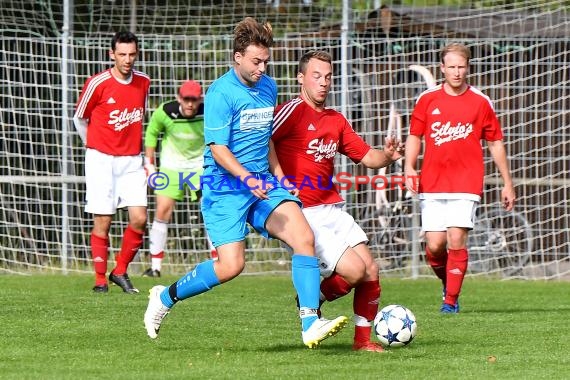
(457, 48)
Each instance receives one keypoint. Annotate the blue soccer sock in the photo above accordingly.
(200, 280)
(306, 280)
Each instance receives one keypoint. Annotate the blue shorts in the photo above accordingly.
(227, 207)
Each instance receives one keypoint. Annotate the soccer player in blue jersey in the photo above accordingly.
(244, 183)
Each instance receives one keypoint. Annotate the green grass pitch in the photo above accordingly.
(53, 327)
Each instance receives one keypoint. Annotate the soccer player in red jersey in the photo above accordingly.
(453, 118)
(109, 118)
(307, 136)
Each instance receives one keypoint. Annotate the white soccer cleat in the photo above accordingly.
(155, 312)
(321, 329)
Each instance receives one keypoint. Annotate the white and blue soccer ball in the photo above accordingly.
(395, 326)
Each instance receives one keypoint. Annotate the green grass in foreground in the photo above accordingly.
(53, 327)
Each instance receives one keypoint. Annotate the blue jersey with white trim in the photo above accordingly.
(241, 118)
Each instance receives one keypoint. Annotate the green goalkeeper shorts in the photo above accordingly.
(178, 183)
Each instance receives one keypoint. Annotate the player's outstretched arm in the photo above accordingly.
(394, 148)
(376, 158)
(499, 154)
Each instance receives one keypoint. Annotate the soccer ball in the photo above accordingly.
(395, 326)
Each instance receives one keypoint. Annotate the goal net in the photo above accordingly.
(383, 58)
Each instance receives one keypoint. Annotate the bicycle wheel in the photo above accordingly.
(508, 241)
(385, 242)
(480, 256)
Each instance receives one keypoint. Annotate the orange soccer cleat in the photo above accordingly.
(367, 346)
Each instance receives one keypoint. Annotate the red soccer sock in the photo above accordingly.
(456, 269)
(365, 305)
(156, 260)
(334, 287)
(132, 242)
(438, 264)
(100, 254)
(362, 333)
(159, 255)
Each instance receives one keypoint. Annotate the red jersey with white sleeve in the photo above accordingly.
(306, 142)
(453, 127)
(115, 111)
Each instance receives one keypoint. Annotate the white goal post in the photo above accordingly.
(380, 63)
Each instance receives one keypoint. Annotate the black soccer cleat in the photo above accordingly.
(124, 282)
(151, 273)
(101, 289)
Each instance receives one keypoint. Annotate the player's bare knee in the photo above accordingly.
(353, 271)
(100, 232)
(228, 269)
(456, 237)
(101, 227)
(355, 278)
(372, 270)
(138, 223)
(308, 239)
(437, 248)
(304, 242)
(457, 245)
(164, 212)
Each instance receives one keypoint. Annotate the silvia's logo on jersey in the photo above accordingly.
(311, 127)
(122, 119)
(436, 112)
(443, 133)
(111, 101)
(321, 150)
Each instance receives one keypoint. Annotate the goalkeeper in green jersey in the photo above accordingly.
(181, 123)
